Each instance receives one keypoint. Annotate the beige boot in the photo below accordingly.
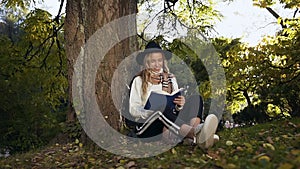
(206, 137)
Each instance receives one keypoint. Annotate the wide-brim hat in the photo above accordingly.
(152, 47)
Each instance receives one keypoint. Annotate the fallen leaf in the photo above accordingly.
(91, 159)
(264, 157)
(239, 148)
(261, 133)
(229, 143)
(292, 124)
(295, 152)
(269, 139)
(285, 136)
(130, 164)
(259, 155)
(122, 161)
(120, 167)
(213, 155)
(231, 166)
(248, 145)
(49, 153)
(173, 151)
(285, 166)
(268, 145)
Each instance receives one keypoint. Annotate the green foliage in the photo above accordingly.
(263, 3)
(263, 80)
(73, 130)
(262, 75)
(267, 3)
(15, 4)
(33, 81)
(194, 14)
(198, 14)
(283, 64)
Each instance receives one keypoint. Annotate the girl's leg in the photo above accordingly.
(187, 131)
(190, 117)
(194, 122)
(192, 111)
(191, 114)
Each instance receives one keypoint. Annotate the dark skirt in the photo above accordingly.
(192, 108)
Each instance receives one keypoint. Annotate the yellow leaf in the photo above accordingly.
(173, 151)
(266, 158)
(285, 166)
(231, 166)
(279, 20)
(123, 161)
(229, 143)
(268, 145)
(295, 152)
(91, 159)
(248, 145)
(285, 136)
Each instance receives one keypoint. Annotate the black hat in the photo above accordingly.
(152, 47)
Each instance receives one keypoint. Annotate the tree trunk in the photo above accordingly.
(83, 19)
(245, 93)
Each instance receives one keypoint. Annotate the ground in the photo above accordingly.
(271, 145)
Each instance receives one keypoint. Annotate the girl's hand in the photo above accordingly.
(180, 101)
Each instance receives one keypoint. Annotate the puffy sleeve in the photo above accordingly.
(136, 105)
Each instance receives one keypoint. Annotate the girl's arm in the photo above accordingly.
(136, 105)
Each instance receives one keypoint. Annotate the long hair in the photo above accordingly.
(145, 74)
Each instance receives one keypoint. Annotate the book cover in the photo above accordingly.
(162, 101)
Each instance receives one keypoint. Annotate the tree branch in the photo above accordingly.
(56, 19)
(291, 79)
(47, 54)
(281, 67)
(40, 46)
(276, 16)
(295, 13)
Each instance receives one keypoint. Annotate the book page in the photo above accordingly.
(169, 94)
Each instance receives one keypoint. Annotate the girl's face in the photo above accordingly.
(156, 61)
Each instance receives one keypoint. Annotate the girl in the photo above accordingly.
(183, 120)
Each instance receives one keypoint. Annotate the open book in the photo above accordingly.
(162, 101)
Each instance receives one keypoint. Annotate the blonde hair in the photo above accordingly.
(145, 74)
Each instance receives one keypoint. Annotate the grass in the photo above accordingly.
(271, 145)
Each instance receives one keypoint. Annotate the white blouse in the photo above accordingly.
(137, 103)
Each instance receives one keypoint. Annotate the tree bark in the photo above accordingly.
(83, 19)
